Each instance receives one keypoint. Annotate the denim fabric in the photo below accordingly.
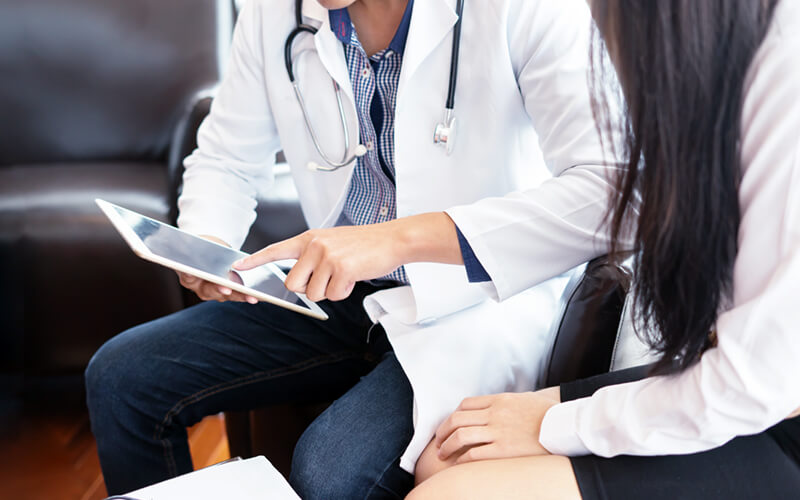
(145, 386)
(353, 449)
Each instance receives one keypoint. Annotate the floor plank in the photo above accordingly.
(47, 450)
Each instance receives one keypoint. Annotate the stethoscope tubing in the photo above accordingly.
(287, 47)
(443, 133)
(451, 89)
(347, 159)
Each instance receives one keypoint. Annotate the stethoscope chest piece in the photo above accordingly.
(445, 132)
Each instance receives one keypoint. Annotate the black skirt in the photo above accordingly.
(765, 465)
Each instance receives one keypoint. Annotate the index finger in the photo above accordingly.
(286, 249)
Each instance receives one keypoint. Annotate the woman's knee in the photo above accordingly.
(441, 486)
(541, 477)
(429, 463)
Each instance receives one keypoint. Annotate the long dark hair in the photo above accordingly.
(682, 67)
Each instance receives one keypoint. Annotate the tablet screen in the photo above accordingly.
(178, 246)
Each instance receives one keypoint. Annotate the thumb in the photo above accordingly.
(287, 249)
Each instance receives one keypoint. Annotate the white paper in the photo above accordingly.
(251, 479)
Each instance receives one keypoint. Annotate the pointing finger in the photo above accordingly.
(287, 249)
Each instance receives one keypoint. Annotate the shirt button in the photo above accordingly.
(365, 73)
(384, 211)
(369, 146)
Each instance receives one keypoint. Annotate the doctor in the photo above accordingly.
(401, 351)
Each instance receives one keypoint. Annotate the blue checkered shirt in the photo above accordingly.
(372, 195)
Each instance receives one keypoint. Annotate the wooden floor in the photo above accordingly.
(47, 451)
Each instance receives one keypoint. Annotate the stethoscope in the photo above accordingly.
(443, 134)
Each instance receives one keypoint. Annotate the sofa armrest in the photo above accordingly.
(184, 141)
(586, 333)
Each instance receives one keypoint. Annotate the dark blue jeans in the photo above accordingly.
(146, 385)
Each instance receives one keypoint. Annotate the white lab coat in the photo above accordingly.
(522, 74)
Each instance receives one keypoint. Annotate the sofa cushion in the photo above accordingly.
(69, 282)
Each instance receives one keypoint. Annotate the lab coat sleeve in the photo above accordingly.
(747, 383)
(237, 144)
(527, 237)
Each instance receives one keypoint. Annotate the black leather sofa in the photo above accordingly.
(96, 100)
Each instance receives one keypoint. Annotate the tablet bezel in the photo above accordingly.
(140, 249)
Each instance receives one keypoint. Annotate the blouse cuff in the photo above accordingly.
(558, 433)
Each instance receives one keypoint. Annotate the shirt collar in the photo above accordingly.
(342, 27)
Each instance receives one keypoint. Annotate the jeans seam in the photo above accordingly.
(169, 456)
(383, 473)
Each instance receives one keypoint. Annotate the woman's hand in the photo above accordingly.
(496, 426)
(211, 291)
(331, 261)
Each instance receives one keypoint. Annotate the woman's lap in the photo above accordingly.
(746, 467)
(760, 466)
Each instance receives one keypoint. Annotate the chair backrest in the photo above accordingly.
(84, 80)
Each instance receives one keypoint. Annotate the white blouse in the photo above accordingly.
(749, 382)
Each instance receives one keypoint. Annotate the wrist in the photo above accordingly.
(429, 237)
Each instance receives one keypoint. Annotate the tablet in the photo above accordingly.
(170, 247)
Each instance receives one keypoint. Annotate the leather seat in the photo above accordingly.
(95, 100)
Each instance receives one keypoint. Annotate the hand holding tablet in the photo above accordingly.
(204, 259)
(207, 290)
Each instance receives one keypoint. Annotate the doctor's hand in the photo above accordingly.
(330, 261)
(211, 291)
(495, 426)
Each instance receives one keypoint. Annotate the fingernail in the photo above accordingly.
(252, 300)
(225, 291)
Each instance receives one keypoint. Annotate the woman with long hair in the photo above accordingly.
(710, 196)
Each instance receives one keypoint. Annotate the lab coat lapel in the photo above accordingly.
(328, 47)
(431, 21)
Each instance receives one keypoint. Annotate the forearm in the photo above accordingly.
(429, 237)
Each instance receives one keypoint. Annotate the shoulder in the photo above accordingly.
(770, 129)
(772, 87)
(778, 54)
(264, 23)
(267, 12)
